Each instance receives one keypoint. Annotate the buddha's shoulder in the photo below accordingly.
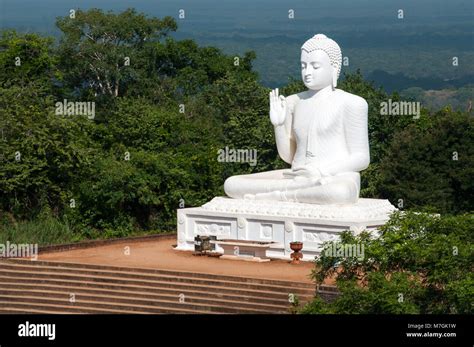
(294, 98)
(351, 100)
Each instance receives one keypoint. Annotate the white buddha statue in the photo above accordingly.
(322, 132)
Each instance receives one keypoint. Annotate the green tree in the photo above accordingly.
(103, 51)
(26, 59)
(431, 164)
(153, 158)
(421, 263)
(43, 155)
(241, 104)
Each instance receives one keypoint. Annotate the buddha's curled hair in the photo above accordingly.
(332, 49)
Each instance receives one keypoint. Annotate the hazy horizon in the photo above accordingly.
(417, 49)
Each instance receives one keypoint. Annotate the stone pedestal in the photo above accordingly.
(280, 222)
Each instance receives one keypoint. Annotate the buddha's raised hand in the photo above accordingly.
(277, 108)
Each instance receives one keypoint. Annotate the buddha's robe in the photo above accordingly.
(325, 138)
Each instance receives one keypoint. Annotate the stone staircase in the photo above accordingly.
(54, 287)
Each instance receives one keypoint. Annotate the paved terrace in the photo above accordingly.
(158, 253)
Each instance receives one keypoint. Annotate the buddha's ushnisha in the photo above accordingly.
(321, 132)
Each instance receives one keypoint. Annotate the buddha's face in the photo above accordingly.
(316, 69)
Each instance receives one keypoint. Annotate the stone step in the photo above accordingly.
(43, 286)
(130, 305)
(140, 299)
(154, 287)
(9, 283)
(160, 271)
(29, 310)
(148, 273)
(33, 277)
(179, 284)
(149, 305)
(26, 304)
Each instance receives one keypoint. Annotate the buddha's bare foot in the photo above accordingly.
(249, 197)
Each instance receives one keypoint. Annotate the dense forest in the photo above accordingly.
(162, 109)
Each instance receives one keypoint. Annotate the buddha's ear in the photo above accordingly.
(334, 78)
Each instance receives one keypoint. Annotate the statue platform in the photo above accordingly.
(279, 222)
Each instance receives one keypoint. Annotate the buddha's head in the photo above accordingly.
(321, 61)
